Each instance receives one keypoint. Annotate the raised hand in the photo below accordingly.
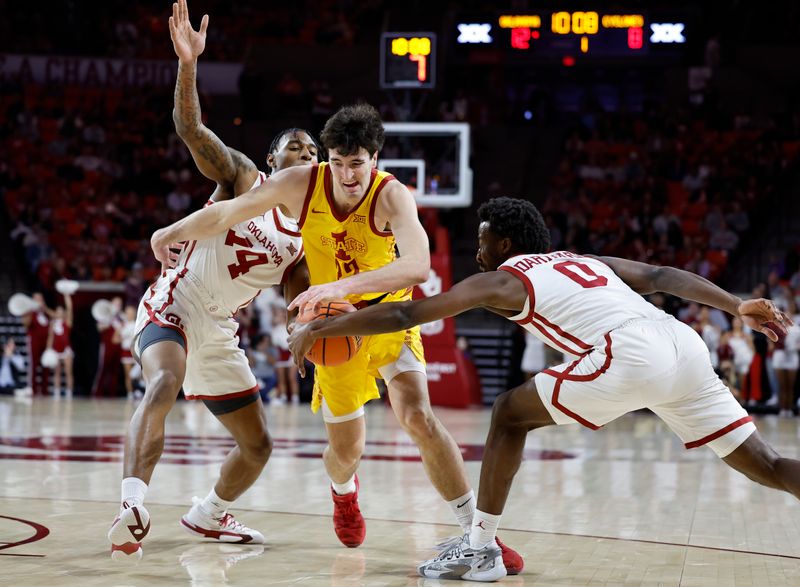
(762, 315)
(187, 42)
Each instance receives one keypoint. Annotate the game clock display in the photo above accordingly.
(408, 60)
(574, 33)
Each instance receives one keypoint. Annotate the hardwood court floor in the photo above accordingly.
(626, 505)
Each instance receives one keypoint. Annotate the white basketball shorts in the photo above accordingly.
(216, 368)
(662, 365)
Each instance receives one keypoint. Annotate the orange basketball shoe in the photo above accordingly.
(511, 559)
(347, 519)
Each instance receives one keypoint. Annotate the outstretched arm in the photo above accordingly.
(213, 158)
(287, 187)
(495, 290)
(396, 204)
(758, 314)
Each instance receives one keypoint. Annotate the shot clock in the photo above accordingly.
(408, 60)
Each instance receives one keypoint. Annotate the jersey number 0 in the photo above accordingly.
(581, 274)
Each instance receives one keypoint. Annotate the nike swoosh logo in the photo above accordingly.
(463, 504)
(317, 211)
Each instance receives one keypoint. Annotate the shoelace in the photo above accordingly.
(349, 511)
(455, 552)
(228, 521)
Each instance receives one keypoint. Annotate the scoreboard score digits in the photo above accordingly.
(573, 33)
(408, 60)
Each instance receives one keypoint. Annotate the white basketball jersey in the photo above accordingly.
(253, 254)
(573, 301)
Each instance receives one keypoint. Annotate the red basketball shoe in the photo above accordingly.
(511, 559)
(347, 519)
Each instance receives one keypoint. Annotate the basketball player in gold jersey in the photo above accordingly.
(352, 218)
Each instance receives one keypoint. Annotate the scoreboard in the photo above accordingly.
(569, 37)
(574, 34)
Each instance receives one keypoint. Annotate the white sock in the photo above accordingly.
(214, 505)
(484, 528)
(464, 508)
(348, 486)
(133, 491)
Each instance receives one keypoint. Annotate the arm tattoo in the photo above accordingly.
(187, 102)
(213, 158)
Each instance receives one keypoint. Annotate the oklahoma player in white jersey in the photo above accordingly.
(185, 331)
(628, 355)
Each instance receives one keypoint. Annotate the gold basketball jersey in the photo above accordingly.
(339, 245)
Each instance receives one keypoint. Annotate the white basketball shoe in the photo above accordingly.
(127, 532)
(460, 561)
(208, 563)
(224, 529)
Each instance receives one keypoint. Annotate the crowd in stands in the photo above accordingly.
(139, 30)
(666, 186)
(86, 177)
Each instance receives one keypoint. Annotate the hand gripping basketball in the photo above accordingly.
(335, 350)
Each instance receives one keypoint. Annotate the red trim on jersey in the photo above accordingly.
(291, 265)
(329, 194)
(374, 204)
(190, 248)
(563, 333)
(234, 395)
(279, 226)
(312, 183)
(528, 286)
(247, 303)
(152, 313)
(554, 340)
(565, 376)
(545, 323)
(172, 286)
(603, 368)
(718, 433)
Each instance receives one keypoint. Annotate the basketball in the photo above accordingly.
(335, 350)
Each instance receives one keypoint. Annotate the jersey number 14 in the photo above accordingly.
(246, 260)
